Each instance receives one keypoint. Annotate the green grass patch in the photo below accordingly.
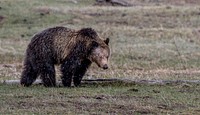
(101, 99)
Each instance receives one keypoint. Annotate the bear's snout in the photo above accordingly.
(105, 66)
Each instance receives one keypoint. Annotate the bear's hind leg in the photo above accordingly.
(29, 75)
(48, 75)
(80, 72)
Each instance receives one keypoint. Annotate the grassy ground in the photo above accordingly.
(151, 37)
(153, 40)
(102, 99)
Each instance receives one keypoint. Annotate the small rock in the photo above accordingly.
(134, 90)
(156, 91)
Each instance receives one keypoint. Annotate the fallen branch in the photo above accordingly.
(113, 2)
(112, 81)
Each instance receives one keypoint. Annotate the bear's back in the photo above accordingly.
(51, 42)
(52, 33)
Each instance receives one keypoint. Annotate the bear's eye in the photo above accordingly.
(98, 55)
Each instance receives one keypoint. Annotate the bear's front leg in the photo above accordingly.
(80, 72)
(66, 78)
(67, 70)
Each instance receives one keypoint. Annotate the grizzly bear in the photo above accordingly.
(73, 50)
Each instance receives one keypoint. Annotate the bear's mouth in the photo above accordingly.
(103, 66)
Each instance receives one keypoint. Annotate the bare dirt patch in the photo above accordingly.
(106, 107)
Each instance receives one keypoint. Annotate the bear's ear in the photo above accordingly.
(107, 41)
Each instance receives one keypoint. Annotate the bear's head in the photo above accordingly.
(100, 53)
(99, 50)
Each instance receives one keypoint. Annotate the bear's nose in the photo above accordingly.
(105, 66)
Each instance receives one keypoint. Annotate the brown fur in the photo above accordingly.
(74, 50)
